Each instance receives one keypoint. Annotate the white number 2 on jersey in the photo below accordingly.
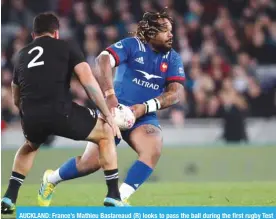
(33, 62)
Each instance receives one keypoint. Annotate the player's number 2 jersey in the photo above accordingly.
(43, 70)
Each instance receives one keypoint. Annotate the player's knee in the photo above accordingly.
(102, 131)
(156, 153)
(151, 154)
(31, 146)
(107, 132)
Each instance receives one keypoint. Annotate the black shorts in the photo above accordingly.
(76, 123)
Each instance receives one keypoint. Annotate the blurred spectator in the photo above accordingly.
(41, 6)
(246, 63)
(203, 89)
(111, 35)
(218, 69)
(20, 14)
(192, 18)
(65, 31)
(92, 49)
(79, 19)
(9, 110)
(177, 112)
(233, 110)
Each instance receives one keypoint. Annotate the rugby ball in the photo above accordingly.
(124, 117)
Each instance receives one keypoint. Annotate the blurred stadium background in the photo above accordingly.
(224, 127)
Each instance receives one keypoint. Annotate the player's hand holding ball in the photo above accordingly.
(116, 130)
(112, 102)
(138, 110)
(124, 117)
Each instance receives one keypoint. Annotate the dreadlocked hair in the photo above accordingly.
(149, 26)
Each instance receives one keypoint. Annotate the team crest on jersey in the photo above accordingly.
(119, 45)
(163, 67)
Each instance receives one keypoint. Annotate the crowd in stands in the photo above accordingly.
(221, 42)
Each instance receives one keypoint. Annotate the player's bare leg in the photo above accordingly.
(89, 162)
(146, 140)
(86, 164)
(104, 138)
(23, 162)
(103, 154)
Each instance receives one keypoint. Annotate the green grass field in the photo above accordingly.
(161, 194)
(217, 176)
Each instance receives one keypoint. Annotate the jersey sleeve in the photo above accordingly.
(75, 55)
(120, 50)
(176, 70)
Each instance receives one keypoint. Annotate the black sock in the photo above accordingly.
(16, 181)
(112, 177)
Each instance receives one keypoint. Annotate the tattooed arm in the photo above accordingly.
(171, 95)
(91, 86)
(105, 73)
(105, 68)
(168, 98)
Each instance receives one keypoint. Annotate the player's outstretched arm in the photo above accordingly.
(94, 92)
(15, 94)
(91, 86)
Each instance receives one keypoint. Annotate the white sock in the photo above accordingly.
(54, 178)
(126, 191)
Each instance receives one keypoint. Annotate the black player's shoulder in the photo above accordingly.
(25, 49)
(21, 53)
(68, 43)
(58, 42)
(63, 42)
(48, 41)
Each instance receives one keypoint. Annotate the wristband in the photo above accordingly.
(152, 105)
(109, 92)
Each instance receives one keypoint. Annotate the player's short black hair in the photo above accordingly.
(45, 23)
(149, 26)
